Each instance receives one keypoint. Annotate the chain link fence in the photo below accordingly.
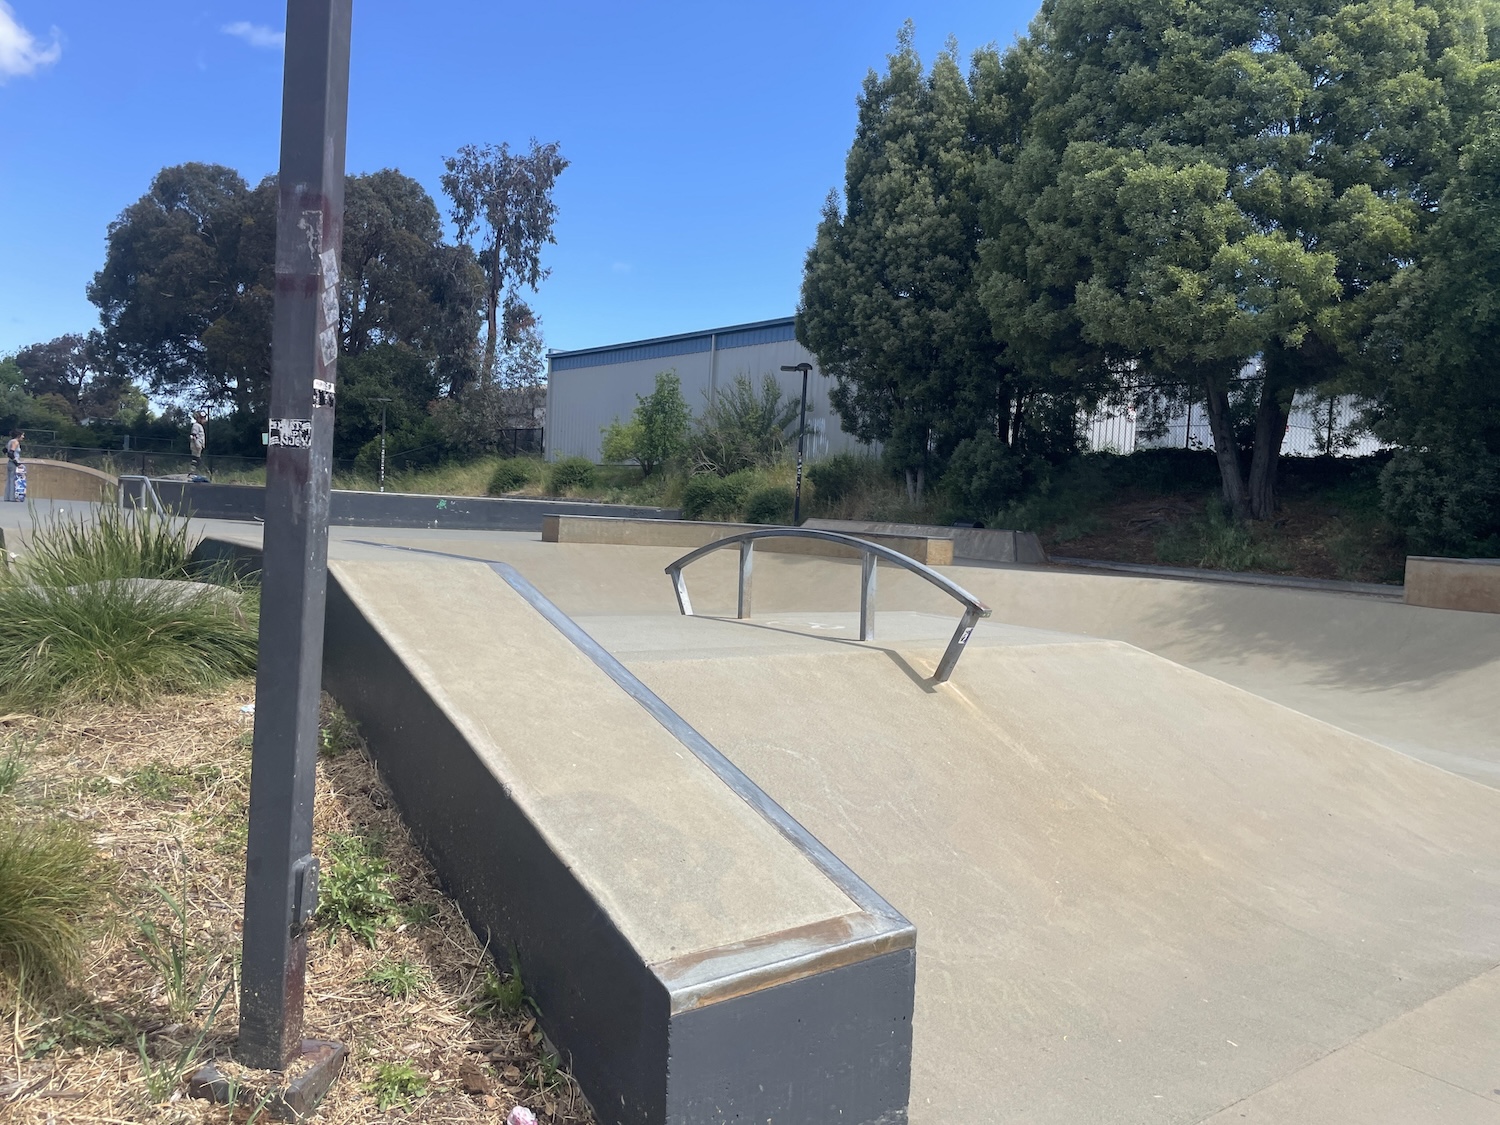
(1319, 425)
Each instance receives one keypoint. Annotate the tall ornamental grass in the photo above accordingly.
(51, 880)
(121, 641)
(64, 551)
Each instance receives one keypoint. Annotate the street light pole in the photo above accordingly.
(382, 402)
(803, 367)
(281, 874)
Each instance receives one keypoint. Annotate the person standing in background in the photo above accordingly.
(197, 436)
(13, 463)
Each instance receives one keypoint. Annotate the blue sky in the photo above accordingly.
(703, 136)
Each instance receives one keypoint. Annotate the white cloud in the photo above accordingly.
(20, 53)
(256, 34)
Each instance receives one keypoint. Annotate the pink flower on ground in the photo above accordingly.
(521, 1116)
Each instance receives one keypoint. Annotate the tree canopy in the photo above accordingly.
(503, 200)
(1223, 197)
(186, 290)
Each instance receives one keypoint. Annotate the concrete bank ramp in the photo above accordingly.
(1143, 895)
(695, 954)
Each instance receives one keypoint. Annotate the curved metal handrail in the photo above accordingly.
(870, 553)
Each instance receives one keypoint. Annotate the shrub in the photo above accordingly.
(1447, 501)
(511, 474)
(743, 428)
(619, 441)
(844, 475)
(983, 476)
(661, 421)
(571, 473)
(1217, 541)
(121, 640)
(113, 544)
(50, 879)
(770, 505)
(709, 497)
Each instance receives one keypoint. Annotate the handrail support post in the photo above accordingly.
(679, 587)
(955, 647)
(747, 567)
(867, 596)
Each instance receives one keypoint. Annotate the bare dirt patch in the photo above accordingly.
(163, 791)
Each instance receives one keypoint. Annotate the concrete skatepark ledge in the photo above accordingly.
(1173, 852)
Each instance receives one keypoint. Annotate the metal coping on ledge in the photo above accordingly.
(701, 978)
(974, 609)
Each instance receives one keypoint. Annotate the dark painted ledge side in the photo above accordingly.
(386, 509)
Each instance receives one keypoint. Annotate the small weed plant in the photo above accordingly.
(355, 895)
(183, 965)
(396, 1086)
(400, 980)
(12, 769)
(163, 1076)
(502, 995)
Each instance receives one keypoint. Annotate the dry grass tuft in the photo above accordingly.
(162, 791)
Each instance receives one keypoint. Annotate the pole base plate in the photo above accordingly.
(315, 1065)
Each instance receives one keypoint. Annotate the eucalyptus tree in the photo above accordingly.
(503, 200)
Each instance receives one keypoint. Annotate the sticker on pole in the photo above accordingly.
(294, 432)
(323, 392)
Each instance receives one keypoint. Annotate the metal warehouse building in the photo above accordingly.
(589, 388)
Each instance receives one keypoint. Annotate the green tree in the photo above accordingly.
(658, 428)
(1227, 183)
(184, 295)
(72, 369)
(889, 301)
(504, 199)
(401, 284)
(1432, 348)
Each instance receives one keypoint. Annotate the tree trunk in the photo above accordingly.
(1271, 417)
(1225, 450)
(492, 316)
(915, 479)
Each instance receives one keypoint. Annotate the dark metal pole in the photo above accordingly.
(280, 873)
(384, 402)
(805, 368)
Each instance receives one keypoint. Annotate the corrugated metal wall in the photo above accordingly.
(587, 391)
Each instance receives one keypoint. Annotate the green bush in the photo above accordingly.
(50, 880)
(1447, 501)
(844, 475)
(709, 497)
(571, 473)
(1217, 541)
(743, 428)
(126, 639)
(111, 544)
(770, 505)
(983, 476)
(511, 474)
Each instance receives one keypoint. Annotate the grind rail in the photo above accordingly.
(870, 554)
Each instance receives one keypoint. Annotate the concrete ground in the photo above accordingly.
(1164, 857)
